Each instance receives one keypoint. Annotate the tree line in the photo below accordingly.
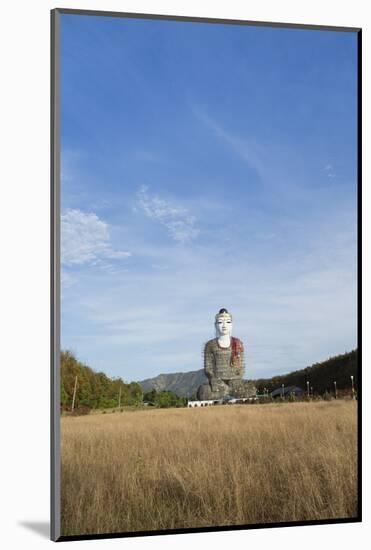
(321, 376)
(164, 398)
(95, 390)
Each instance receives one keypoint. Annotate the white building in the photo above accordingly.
(230, 401)
(207, 403)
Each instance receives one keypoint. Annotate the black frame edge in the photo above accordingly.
(200, 19)
(359, 266)
(54, 279)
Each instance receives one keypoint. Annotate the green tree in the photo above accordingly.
(64, 396)
(150, 396)
(94, 389)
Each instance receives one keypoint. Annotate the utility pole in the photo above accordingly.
(74, 394)
(353, 393)
(336, 393)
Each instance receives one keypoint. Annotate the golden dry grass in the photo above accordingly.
(181, 468)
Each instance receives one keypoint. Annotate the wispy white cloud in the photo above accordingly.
(329, 170)
(247, 149)
(85, 239)
(180, 224)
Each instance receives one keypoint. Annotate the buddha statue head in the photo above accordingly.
(223, 323)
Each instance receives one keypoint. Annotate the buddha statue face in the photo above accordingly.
(223, 324)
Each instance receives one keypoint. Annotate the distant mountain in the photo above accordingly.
(320, 375)
(184, 384)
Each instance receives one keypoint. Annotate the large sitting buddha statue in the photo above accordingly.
(224, 363)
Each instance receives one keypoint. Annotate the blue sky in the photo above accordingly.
(206, 166)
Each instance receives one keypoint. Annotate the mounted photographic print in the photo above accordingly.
(205, 219)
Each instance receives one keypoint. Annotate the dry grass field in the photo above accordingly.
(226, 465)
